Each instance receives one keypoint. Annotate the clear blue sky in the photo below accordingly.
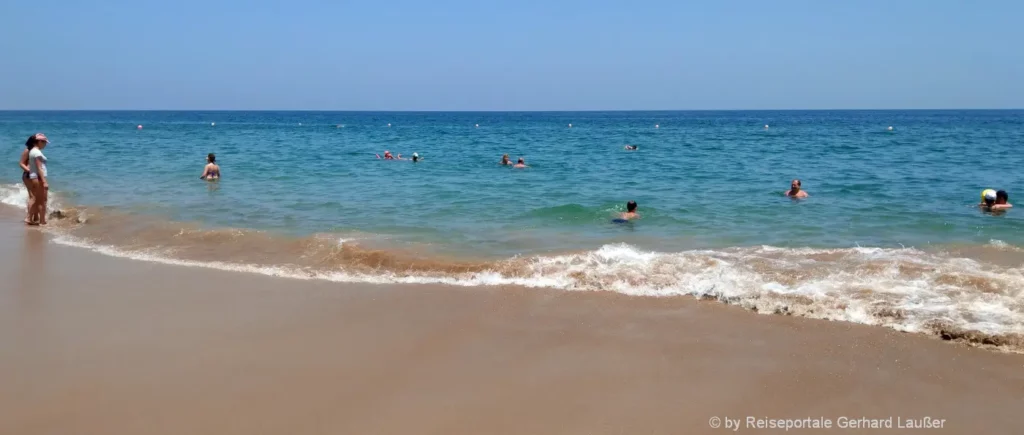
(510, 54)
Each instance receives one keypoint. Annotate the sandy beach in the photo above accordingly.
(91, 344)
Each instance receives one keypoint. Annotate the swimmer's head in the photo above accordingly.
(988, 196)
(521, 161)
(1002, 197)
(415, 157)
(795, 185)
(631, 206)
(211, 158)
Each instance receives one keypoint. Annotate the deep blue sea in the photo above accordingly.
(892, 212)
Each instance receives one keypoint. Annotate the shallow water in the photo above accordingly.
(305, 191)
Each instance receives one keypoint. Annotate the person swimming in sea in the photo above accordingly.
(388, 156)
(505, 161)
(795, 190)
(415, 157)
(992, 200)
(211, 172)
(629, 215)
(631, 147)
(1002, 201)
(520, 164)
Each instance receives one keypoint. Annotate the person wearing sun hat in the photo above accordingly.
(37, 179)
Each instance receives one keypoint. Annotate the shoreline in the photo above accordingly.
(99, 344)
(736, 276)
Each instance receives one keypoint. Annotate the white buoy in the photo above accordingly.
(213, 124)
(657, 126)
(477, 126)
(139, 127)
(890, 128)
(570, 125)
(300, 123)
(389, 124)
(766, 126)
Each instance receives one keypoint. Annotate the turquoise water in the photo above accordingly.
(702, 179)
(891, 234)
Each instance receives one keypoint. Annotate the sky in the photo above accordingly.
(510, 54)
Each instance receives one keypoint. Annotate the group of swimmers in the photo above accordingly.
(505, 161)
(995, 200)
(33, 166)
(388, 156)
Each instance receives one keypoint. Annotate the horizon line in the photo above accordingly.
(513, 111)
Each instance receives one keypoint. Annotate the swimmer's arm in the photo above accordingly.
(206, 171)
(23, 161)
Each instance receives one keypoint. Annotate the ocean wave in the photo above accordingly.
(17, 195)
(904, 289)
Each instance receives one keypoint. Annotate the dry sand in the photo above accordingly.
(91, 344)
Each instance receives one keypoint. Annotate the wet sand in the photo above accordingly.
(91, 344)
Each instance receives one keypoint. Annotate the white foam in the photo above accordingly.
(14, 194)
(17, 195)
(904, 289)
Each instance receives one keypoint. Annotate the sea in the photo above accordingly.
(890, 235)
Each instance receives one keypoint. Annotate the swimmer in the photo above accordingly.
(415, 157)
(631, 147)
(988, 198)
(520, 164)
(388, 156)
(1002, 201)
(992, 200)
(211, 172)
(505, 161)
(630, 213)
(795, 191)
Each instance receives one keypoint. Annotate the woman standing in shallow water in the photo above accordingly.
(37, 180)
(25, 170)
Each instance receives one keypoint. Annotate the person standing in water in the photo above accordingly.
(795, 191)
(521, 163)
(23, 161)
(211, 172)
(37, 179)
(505, 161)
